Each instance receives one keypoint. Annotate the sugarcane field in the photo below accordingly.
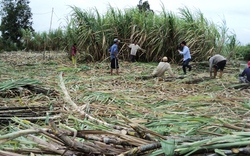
(49, 107)
(132, 82)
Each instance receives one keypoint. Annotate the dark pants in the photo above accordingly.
(114, 63)
(132, 58)
(220, 65)
(185, 64)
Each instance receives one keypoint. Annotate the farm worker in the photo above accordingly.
(186, 56)
(218, 62)
(134, 47)
(114, 57)
(161, 68)
(73, 53)
(246, 72)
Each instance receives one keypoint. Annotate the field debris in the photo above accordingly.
(89, 112)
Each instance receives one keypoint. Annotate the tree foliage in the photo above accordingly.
(243, 52)
(15, 16)
(144, 6)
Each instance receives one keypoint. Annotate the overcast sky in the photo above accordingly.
(236, 13)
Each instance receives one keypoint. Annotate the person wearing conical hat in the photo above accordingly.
(162, 67)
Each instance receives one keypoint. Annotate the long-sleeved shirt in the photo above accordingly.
(186, 53)
(161, 68)
(214, 60)
(246, 72)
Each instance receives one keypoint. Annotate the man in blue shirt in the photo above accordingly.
(114, 57)
(186, 57)
(246, 73)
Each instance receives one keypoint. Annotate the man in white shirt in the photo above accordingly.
(134, 47)
(161, 68)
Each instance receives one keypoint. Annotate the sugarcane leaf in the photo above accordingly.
(168, 147)
(246, 104)
(156, 153)
(220, 152)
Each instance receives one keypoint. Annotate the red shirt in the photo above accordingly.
(73, 50)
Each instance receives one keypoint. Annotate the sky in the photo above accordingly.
(50, 14)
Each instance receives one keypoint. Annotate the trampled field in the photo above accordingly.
(100, 114)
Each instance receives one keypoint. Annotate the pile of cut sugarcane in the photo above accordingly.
(31, 139)
(78, 133)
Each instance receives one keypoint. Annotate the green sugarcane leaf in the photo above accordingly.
(156, 153)
(168, 147)
(220, 152)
